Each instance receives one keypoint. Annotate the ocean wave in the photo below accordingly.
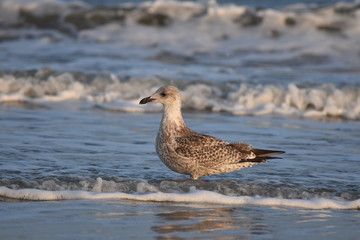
(212, 27)
(194, 196)
(78, 15)
(109, 92)
(258, 188)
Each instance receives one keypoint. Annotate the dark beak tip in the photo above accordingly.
(145, 100)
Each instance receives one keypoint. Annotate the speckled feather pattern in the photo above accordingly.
(188, 152)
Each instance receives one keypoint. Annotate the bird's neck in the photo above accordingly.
(172, 120)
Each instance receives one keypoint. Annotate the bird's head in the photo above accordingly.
(166, 95)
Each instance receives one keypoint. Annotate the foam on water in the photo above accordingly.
(263, 188)
(194, 196)
(110, 92)
(329, 32)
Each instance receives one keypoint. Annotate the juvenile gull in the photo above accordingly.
(188, 152)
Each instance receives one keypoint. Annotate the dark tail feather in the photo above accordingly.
(261, 159)
(257, 160)
(262, 153)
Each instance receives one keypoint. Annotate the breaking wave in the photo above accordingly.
(183, 191)
(212, 27)
(226, 41)
(77, 15)
(261, 188)
(107, 91)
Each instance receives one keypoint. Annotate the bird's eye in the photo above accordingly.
(163, 94)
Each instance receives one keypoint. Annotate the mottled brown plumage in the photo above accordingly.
(188, 152)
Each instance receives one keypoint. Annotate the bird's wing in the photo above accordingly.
(194, 140)
(211, 152)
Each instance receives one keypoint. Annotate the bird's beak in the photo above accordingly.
(146, 100)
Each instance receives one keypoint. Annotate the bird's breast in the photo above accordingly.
(165, 148)
(164, 145)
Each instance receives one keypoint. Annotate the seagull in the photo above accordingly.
(188, 152)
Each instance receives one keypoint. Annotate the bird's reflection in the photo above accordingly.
(226, 221)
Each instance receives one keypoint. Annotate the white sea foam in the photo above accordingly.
(146, 39)
(212, 27)
(194, 196)
(110, 92)
(139, 186)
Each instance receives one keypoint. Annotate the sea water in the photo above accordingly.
(77, 156)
